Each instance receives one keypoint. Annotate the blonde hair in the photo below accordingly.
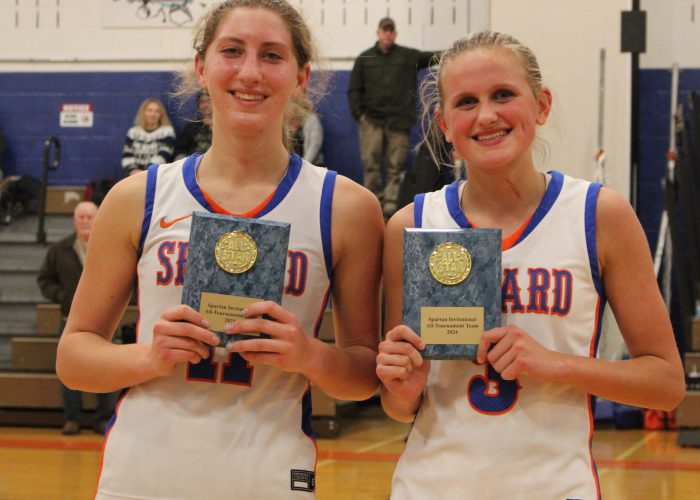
(305, 52)
(140, 120)
(431, 92)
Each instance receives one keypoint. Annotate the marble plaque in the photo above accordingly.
(232, 262)
(451, 288)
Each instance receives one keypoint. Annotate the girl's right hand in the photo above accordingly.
(400, 366)
(180, 335)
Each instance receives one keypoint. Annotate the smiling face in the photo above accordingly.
(489, 110)
(250, 72)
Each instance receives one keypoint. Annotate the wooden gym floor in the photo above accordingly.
(41, 464)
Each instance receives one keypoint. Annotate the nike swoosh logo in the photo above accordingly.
(166, 224)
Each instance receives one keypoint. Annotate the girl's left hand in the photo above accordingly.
(288, 347)
(513, 353)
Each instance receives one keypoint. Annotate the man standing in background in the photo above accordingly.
(58, 279)
(382, 93)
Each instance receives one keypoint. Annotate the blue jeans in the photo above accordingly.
(73, 405)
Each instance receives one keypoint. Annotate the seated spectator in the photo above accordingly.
(19, 194)
(151, 139)
(196, 135)
(58, 278)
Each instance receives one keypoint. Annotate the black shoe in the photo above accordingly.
(71, 428)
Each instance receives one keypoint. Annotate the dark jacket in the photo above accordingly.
(194, 138)
(383, 86)
(59, 274)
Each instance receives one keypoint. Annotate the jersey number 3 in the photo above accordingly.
(490, 394)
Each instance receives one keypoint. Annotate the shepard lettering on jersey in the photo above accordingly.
(172, 258)
(547, 291)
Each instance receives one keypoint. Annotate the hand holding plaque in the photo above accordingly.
(451, 288)
(231, 263)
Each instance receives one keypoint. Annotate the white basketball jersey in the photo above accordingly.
(221, 428)
(477, 436)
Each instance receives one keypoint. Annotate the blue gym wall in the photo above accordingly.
(655, 104)
(29, 112)
(30, 104)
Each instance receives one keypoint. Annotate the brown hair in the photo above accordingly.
(140, 120)
(431, 87)
(302, 42)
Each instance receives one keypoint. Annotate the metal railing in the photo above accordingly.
(50, 163)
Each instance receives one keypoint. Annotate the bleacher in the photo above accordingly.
(30, 393)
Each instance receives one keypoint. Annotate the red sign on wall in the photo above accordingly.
(76, 115)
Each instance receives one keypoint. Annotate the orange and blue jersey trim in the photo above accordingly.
(593, 352)
(589, 218)
(418, 203)
(550, 196)
(189, 173)
(152, 177)
(455, 210)
(293, 170)
(325, 216)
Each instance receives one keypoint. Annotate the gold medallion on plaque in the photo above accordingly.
(450, 263)
(236, 252)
